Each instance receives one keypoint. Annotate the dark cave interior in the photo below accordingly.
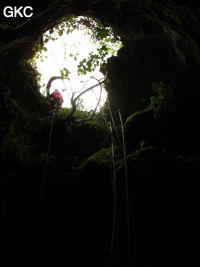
(70, 223)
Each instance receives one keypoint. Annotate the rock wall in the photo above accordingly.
(75, 222)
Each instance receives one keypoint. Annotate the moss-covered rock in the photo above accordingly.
(141, 127)
(100, 158)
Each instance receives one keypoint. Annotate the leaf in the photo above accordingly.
(60, 33)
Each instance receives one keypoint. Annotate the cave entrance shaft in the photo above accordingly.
(76, 50)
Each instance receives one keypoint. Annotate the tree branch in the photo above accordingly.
(73, 100)
(86, 90)
(50, 82)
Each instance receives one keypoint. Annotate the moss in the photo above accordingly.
(100, 158)
(142, 129)
(135, 114)
(15, 143)
(147, 152)
(17, 121)
(144, 154)
(23, 85)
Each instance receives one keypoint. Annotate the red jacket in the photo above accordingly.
(57, 95)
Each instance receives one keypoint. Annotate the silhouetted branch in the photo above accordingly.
(73, 100)
(50, 82)
(86, 90)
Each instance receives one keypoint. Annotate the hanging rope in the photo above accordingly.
(114, 196)
(41, 192)
(126, 190)
(59, 69)
(112, 119)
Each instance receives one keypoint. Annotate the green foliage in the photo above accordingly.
(108, 42)
(79, 115)
(94, 60)
(38, 49)
(162, 101)
(64, 73)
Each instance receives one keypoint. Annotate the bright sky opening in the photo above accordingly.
(66, 52)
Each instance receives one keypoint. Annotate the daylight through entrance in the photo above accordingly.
(75, 51)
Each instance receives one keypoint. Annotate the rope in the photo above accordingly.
(114, 197)
(46, 162)
(59, 72)
(112, 119)
(41, 192)
(126, 190)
